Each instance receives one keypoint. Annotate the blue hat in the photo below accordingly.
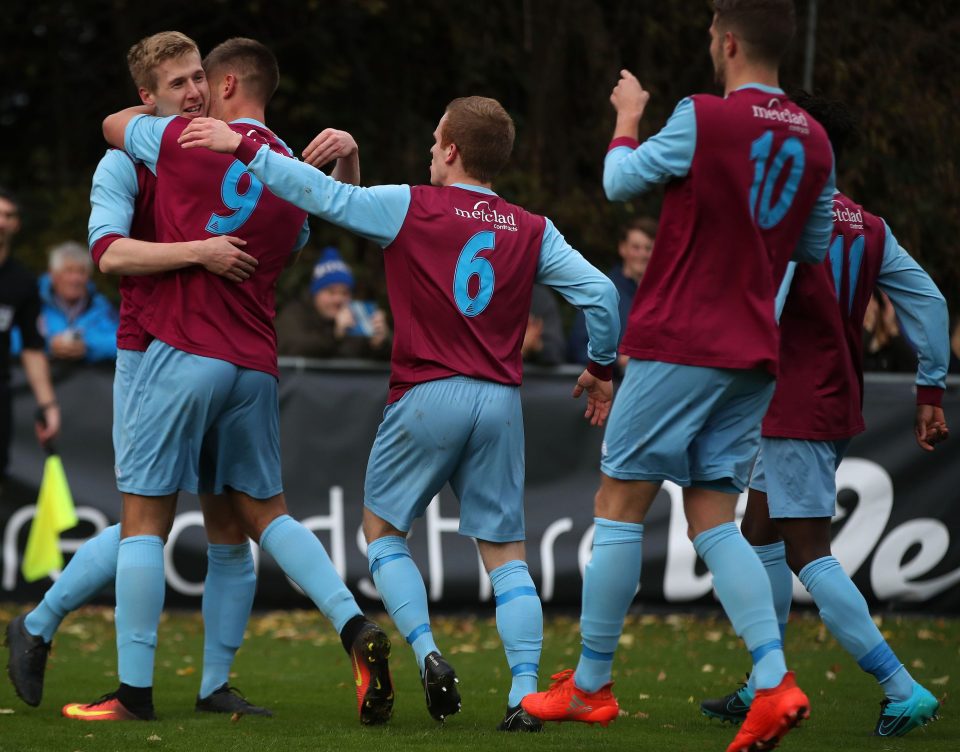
(330, 270)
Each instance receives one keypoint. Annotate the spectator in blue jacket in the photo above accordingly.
(635, 248)
(78, 323)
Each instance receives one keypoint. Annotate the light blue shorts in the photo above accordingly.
(692, 425)
(199, 424)
(458, 430)
(799, 477)
(128, 362)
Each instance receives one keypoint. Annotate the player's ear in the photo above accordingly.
(730, 44)
(451, 153)
(229, 85)
(146, 97)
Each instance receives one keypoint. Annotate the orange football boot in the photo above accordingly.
(565, 701)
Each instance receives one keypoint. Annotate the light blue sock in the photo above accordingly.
(90, 570)
(403, 593)
(774, 559)
(304, 560)
(140, 591)
(609, 584)
(745, 594)
(520, 624)
(227, 599)
(845, 613)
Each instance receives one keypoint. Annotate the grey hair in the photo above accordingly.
(69, 251)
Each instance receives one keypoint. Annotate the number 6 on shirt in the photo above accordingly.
(242, 204)
(472, 264)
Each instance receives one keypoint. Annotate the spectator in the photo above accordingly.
(328, 323)
(20, 306)
(543, 341)
(884, 349)
(78, 322)
(635, 247)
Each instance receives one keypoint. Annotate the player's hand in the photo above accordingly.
(629, 98)
(599, 397)
(50, 427)
(329, 144)
(210, 133)
(222, 255)
(930, 427)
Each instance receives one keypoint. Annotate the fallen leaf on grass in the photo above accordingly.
(7, 711)
(643, 697)
(713, 636)
(236, 717)
(662, 675)
(186, 671)
(917, 663)
(940, 680)
(925, 634)
(640, 714)
(627, 640)
(831, 676)
(154, 738)
(622, 713)
(707, 668)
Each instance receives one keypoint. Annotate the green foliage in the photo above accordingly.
(293, 663)
(385, 70)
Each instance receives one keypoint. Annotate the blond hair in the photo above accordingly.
(144, 57)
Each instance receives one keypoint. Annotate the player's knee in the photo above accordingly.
(375, 527)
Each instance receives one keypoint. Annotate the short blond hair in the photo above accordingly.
(144, 57)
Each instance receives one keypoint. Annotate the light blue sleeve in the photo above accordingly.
(921, 311)
(112, 196)
(784, 290)
(142, 138)
(374, 213)
(581, 284)
(667, 155)
(302, 237)
(815, 238)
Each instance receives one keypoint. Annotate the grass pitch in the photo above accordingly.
(293, 663)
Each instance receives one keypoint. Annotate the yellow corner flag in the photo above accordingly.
(55, 513)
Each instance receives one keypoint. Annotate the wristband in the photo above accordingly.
(929, 395)
(604, 373)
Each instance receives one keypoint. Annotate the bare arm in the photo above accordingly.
(115, 125)
(629, 99)
(37, 370)
(331, 144)
(220, 255)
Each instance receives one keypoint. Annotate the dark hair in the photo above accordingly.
(8, 195)
(766, 27)
(483, 133)
(254, 65)
(646, 225)
(837, 120)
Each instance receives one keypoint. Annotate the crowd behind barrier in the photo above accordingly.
(896, 531)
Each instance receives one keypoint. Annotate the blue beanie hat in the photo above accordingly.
(330, 270)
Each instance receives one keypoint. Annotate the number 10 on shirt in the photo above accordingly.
(767, 213)
(471, 264)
